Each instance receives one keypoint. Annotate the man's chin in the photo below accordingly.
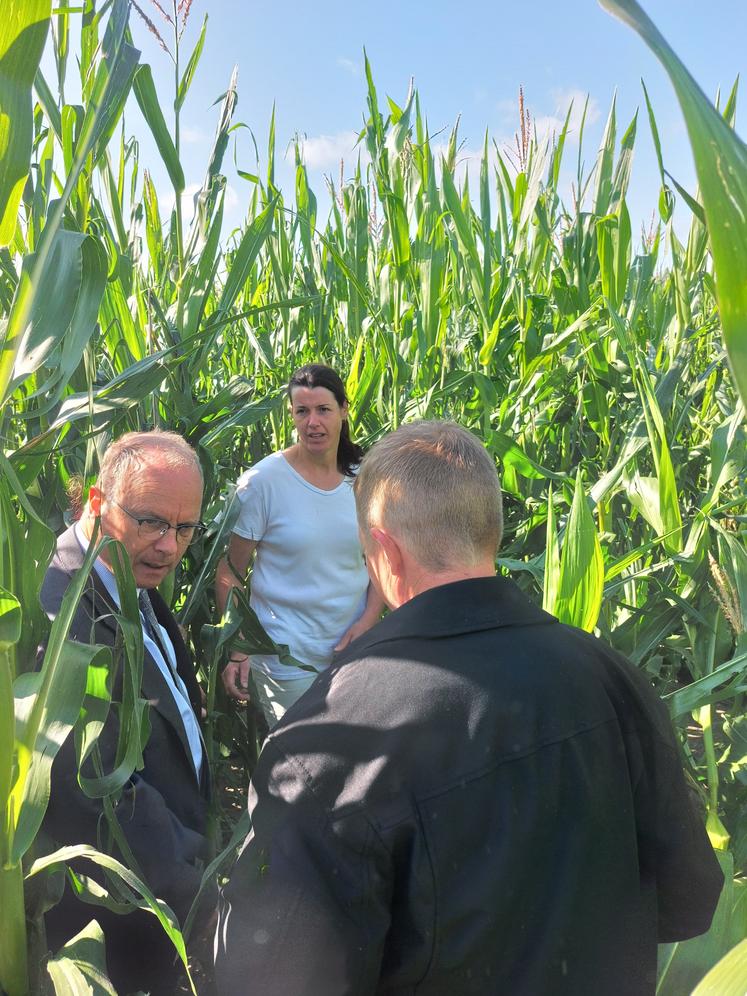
(150, 577)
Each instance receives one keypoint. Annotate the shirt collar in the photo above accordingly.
(104, 572)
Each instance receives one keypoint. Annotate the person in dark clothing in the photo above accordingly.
(148, 496)
(474, 798)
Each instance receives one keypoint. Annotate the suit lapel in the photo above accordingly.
(101, 610)
(96, 601)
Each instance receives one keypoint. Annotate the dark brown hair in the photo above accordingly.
(349, 454)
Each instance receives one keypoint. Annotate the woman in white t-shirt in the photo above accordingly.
(310, 588)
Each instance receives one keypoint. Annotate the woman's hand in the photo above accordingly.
(371, 615)
(353, 632)
(235, 677)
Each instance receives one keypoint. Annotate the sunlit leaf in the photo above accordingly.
(581, 580)
(721, 166)
(23, 33)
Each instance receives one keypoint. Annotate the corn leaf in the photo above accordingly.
(192, 63)
(63, 312)
(80, 965)
(157, 906)
(10, 631)
(581, 580)
(23, 33)
(552, 560)
(693, 696)
(721, 166)
(728, 977)
(684, 963)
(147, 98)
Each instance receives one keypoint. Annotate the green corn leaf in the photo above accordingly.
(10, 631)
(50, 348)
(133, 720)
(111, 83)
(10, 620)
(513, 456)
(605, 161)
(56, 697)
(53, 301)
(47, 703)
(80, 965)
(695, 695)
(186, 81)
(23, 33)
(13, 939)
(240, 830)
(728, 977)
(157, 906)
(721, 166)
(694, 206)
(241, 628)
(48, 102)
(147, 98)
(552, 560)
(684, 963)
(251, 243)
(581, 581)
(109, 90)
(207, 195)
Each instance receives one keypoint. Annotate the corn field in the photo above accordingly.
(606, 373)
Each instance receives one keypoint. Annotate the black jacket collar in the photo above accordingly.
(459, 607)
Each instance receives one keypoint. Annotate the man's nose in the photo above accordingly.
(167, 542)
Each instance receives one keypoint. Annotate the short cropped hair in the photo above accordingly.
(435, 486)
(135, 450)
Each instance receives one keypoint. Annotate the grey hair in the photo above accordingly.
(135, 450)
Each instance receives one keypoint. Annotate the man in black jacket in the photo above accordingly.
(148, 496)
(474, 799)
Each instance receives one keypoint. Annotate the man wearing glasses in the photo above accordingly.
(148, 496)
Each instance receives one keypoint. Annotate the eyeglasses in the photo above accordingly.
(150, 528)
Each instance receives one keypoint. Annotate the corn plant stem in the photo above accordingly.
(13, 960)
(705, 718)
(177, 195)
(213, 828)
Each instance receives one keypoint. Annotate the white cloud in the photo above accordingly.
(549, 120)
(193, 136)
(468, 161)
(546, 125)
(562, 99)
(508, 109)
(231, 200)
(349, 65)
(166, 201)
(325, 151)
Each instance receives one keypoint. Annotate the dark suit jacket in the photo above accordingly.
(475, 799)
(163, 810)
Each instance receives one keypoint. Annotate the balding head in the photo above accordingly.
(135, 450)
(148, 495)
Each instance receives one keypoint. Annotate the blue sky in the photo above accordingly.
(467, 59)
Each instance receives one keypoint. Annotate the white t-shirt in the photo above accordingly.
(309, 580)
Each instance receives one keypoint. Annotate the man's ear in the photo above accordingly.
(95, 500)
(391, 549)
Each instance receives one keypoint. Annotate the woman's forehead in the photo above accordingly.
(311, 397)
